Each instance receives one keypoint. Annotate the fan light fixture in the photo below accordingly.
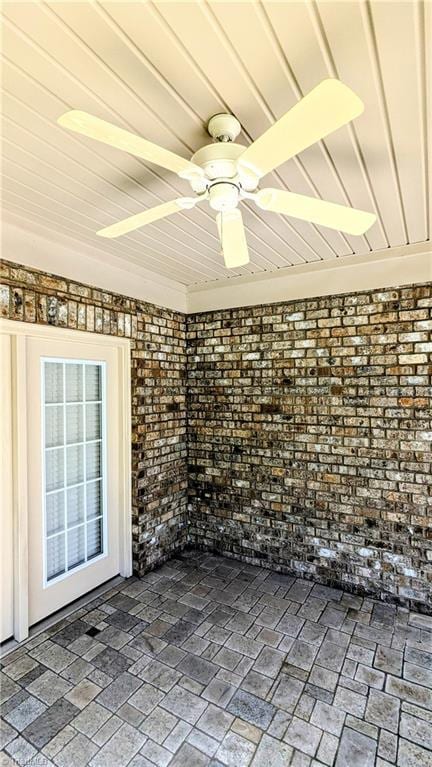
(225, 173)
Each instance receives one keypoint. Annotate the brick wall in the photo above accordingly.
(309, 428)
(159, 468)
(309, 438)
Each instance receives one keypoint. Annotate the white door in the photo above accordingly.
(74, 476)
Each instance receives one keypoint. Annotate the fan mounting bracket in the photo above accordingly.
(223, 127)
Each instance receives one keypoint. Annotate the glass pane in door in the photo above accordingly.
(74, 464)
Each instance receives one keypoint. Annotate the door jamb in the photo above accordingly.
(20, 489)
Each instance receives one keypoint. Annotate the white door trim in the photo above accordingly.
(20, 332)
(20, 490)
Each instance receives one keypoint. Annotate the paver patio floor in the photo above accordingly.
(210, 662)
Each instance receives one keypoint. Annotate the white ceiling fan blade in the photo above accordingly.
(94, 127)
(316, 211)
(148, 216)
(327, 107)
(233, 238)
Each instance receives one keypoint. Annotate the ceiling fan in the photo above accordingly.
(225, 173)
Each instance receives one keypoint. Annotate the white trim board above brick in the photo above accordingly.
(79, 261)
(75, 260)
(382, 269)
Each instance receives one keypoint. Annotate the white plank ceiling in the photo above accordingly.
(162, 69)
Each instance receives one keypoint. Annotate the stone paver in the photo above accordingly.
(158, 725)
(350, 701)
(189, 756)
(417, 730)
(184, 704)
(287, 693)
(235, 751)
(49, 724)
(146, 698)
(91, 719)
(302, 655)
(21, 751)
(215, 722)
(413, 693)
(303, 736)
(412, 755)
(83, 693)
(328, 718)
(209, 662)
(251, 708)
(197, 668)
(25, 713)
(356, 750)
(383, 710)
(120, 749)
(79, 750)
(272, 752)
(119, 691)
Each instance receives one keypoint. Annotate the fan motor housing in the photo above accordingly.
(223, 195)
(219, 161)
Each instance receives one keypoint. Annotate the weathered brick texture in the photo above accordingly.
(309, 443)
(158, 367)
(309, 438)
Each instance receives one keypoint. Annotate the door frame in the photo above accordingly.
(20, 332)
